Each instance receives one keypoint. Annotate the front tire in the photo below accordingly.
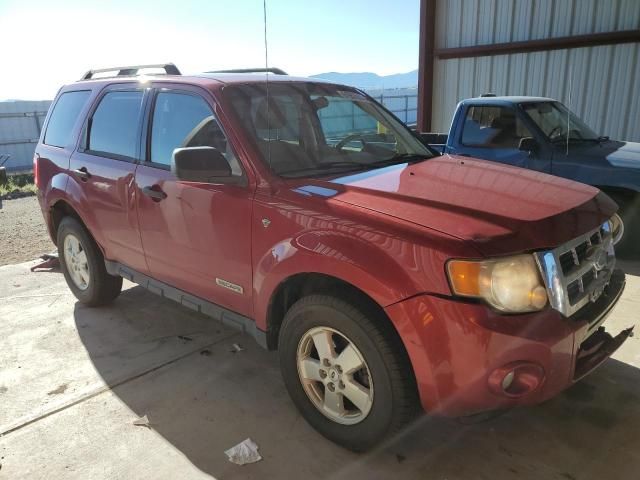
(346, 371)
(83, 266)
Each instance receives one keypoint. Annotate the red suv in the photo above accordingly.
(304, 213)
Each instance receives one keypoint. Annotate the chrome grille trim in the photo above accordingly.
(590, 272)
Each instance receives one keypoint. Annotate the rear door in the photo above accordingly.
(102, 173)
(196, 236)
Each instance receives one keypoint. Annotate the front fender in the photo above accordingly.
(336, 254)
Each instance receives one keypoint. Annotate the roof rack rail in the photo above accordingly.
(276, 71)
(132, 70)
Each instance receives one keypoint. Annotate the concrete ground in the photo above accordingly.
(72, 381)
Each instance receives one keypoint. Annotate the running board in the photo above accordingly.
(221, 314)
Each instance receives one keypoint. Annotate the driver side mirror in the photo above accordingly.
(528, 144)
(199, 164)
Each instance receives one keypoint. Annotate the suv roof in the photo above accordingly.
(130, 74)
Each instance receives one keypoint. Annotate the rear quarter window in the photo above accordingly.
(63, 117)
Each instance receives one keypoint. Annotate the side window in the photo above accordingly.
(114, 126)
(64, 116)
(183, 120)
(492, 126)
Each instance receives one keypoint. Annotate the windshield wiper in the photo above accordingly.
(399, 158)
(574, 139)
(329, 166)
(402, 158)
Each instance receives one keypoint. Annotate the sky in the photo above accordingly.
(46, 44)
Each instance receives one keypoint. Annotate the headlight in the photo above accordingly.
(509, 284)
(617, 228)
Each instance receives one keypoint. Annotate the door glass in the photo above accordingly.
(114, 126)
(182, 120)
(494, 127)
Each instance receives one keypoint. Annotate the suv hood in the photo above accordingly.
(499, 209)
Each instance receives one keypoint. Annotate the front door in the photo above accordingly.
(196, 236)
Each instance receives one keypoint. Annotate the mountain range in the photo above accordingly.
(372, 81)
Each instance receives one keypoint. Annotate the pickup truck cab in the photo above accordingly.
(303, 213)
(542, 134)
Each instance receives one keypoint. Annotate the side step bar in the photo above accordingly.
(221, 314)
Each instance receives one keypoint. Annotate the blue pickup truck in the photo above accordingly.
(542, 134)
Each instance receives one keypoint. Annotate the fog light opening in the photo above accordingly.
(516, 379)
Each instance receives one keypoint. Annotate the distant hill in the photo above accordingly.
(372, 81)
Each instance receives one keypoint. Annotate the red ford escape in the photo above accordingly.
(305, 214)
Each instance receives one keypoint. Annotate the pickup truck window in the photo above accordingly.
(310, 129)
(492, 127)
(553, 118)
(113, 130)
(64, 115)
(183, 120)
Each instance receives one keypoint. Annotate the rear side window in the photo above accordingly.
(113, 129)
(182, 120)
(64, 116)
(496, 127)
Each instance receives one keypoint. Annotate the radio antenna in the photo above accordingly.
(266, 66)
(569, 107)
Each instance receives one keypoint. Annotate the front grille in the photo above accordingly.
(576, 273)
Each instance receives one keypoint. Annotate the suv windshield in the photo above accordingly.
(555, 120)
(310, 129)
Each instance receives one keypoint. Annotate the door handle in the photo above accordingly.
(156, 195)
(82, 173)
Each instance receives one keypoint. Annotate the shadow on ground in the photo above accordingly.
(214, 398)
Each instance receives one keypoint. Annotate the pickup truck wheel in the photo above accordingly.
(345, 372)
(83, 267)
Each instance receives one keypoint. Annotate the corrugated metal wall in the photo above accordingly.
(604, 82)
(20, 124)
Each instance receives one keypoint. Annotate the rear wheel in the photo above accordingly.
(345, 371)
(83, 266)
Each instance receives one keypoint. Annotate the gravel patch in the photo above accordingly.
(23, 234)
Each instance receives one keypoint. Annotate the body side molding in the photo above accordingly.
(223, 315)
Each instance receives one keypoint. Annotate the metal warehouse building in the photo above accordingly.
(585, 53)
(20, 124)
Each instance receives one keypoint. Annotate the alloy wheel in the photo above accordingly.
(335, 375)
(75, 259)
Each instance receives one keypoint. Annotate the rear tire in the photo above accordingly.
(374, 401)
(83, 266)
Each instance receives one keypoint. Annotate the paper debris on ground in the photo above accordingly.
(243, 453)
(142, 422)
(237, 348)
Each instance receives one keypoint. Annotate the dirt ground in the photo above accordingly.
(23, 235)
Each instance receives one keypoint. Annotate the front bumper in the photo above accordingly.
(454, 346)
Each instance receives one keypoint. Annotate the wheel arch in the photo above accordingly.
(61, 209)
(300, 285)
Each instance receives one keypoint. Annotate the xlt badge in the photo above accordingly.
(231, 286)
